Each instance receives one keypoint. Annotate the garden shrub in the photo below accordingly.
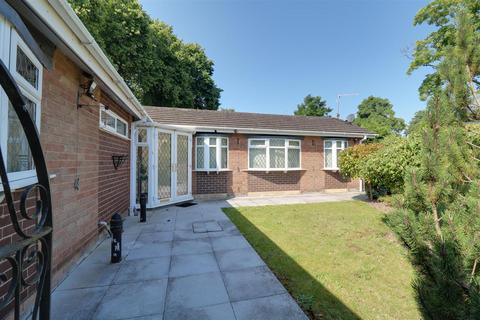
(381, 165)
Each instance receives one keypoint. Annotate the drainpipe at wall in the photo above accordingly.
(361, 187)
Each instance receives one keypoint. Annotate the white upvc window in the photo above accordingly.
(273, 154)
(211, 153)
(27, 71)
(331, 150)
(111, 122)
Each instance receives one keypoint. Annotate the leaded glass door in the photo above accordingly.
(182, 165)
(164, 187)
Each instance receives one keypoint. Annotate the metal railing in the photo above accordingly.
(31, 247)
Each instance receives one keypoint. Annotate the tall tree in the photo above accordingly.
(440, 222)
(430, 51)
(376, 114)
(417, 122)
(158, 67)
(313, 106)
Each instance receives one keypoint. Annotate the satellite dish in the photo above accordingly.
(350, 117)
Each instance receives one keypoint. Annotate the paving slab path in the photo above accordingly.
(170, 272)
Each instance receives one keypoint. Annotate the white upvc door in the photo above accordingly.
(182, 167)
(173, 169)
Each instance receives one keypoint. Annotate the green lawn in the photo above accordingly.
(338, 259)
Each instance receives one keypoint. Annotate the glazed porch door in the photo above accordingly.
(173, 166)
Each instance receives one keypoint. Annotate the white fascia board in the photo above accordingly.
(259, 131)
(59, 16)
(188, 129)
(283, 132)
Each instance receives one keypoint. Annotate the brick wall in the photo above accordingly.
(239, 181)
(262, 181)
(114, 184)
(75, 149)
(213, 182)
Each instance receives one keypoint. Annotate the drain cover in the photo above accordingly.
(206, 226)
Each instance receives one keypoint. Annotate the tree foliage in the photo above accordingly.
(377, 115)
(158, 67)
(417, 122)
(381, 165)
(313, 106)
(432, 50)
(440, 221)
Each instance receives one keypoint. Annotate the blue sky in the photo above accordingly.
(269, 54)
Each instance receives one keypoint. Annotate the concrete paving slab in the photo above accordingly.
(88, 275)
(155, 237)
(225, 233)
(154, 250)
(229, 243)
(202, 245)
(188, 235)
(252, 283)
(77, 304)
(217, 312)
(143, 270)
(186, 265)
(159, 227)
(133, 300)
(238, 259)
(195, 291)
(279, 307)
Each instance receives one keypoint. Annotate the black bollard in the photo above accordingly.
(116, 226)
(143, 207)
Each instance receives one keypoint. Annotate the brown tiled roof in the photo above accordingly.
(246, 120)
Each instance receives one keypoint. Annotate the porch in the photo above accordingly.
(171, 271)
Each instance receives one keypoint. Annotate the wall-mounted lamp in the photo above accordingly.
(90, 89)
(119, 160)
(87, 88)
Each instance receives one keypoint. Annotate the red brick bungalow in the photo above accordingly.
(103, 149)
(186, 153)
(83, 111)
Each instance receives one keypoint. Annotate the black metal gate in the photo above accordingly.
(31, 247)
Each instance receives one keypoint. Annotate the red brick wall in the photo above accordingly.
(213, 182)
(261, 181)
(114, 184)
(75, 147)
(240, 181)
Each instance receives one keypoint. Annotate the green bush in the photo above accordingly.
(381, 165)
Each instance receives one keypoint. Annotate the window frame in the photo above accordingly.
(267, 146)
(206, 153)
(10, 41)
(109, 129)
(334, 153)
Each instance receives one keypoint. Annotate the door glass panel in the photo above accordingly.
(182, 165)
(164, 166)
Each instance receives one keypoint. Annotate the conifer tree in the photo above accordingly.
(440, 221)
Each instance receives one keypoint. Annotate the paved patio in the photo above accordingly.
(295, 198)
(171, 272)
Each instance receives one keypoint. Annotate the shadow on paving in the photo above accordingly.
(277, 260)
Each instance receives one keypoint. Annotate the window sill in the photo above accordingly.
(331, 169)
(273, 170)
(213, 171)
(22, 183)
(114, 133)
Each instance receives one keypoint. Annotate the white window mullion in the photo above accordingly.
(219, 153)
(206, 153)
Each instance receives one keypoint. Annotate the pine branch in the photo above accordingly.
(473, 145)
(474, 269)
